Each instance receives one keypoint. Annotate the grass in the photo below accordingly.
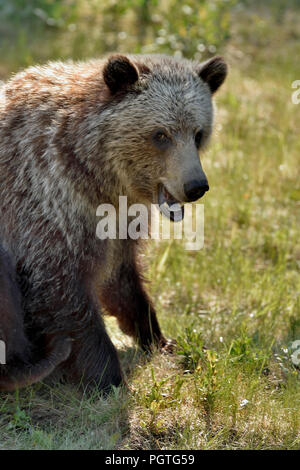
(233, 306)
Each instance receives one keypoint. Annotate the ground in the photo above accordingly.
(233, 306)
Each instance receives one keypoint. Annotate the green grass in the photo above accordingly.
(233, 307)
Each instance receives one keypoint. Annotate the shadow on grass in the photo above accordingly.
(55, 415)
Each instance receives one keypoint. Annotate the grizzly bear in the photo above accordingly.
(73, 136)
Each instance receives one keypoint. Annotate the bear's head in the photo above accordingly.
(160, 120)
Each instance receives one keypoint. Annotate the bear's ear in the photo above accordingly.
(213, 72)
(119, 73)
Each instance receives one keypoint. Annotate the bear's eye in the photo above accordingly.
(198, 138)
(161, 139)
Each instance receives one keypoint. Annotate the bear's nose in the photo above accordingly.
(195, 189)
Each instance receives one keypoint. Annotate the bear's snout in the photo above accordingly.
(195, 189)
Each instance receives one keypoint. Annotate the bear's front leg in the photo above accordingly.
(124, 297)
(93, 360)
(67, 308)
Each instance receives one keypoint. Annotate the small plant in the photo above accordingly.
(209, 381)
(190, 347)
(20, 420)
(244, 350)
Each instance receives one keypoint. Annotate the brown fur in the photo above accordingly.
(73, 136)
(20, 372)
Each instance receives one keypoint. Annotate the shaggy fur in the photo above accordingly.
(73, 136)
